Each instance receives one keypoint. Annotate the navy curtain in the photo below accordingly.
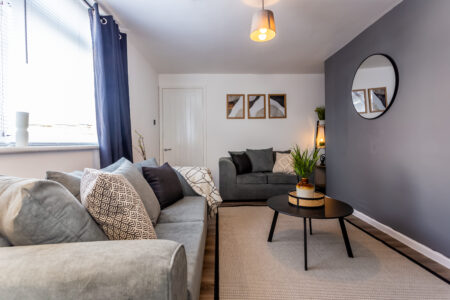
(112, 101)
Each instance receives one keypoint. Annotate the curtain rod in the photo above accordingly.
(88, 4)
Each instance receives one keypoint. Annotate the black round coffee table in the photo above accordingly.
(333, 209)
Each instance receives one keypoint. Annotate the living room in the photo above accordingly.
(242, 149)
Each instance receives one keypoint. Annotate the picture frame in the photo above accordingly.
(235, 106)
(277, 106)
(359, 100)
(256, 106)
(377, 99)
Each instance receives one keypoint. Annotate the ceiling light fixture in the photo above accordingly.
(263, 25)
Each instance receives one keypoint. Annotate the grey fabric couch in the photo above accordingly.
(252, 186)
(167, 268)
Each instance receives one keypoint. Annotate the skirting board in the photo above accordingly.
(431, 254)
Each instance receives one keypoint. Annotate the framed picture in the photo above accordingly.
(377, 99)
(256, 106)
(359, 101)
(235, 106)
(277, 106)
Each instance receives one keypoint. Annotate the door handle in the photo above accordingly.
(167, 149)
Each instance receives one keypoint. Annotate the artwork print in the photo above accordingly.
(256, 106)
(377, 99)
(235, 106)
(277, 106)
(359, 101)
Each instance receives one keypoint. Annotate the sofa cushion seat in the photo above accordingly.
(252, 178)
(281, 178)
(192, 235)
(188, 209)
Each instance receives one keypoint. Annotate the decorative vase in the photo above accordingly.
(305, 189)
(22, 121)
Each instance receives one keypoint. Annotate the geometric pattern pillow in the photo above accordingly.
(284, 164)
(116, 206)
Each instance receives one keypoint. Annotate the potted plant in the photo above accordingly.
(304, 163)
(320, 110)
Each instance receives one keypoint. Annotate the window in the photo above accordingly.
(47, 70)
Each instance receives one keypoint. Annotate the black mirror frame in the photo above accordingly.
(397, 81)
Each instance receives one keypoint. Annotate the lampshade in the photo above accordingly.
(320, 135)
(263, 26)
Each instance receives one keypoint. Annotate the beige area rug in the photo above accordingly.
(252, 268)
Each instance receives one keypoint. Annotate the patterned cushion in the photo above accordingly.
(283, 164)
(116, 206)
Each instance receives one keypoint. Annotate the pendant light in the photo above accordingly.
(263, 25)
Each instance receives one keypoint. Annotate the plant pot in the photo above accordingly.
(304, 189)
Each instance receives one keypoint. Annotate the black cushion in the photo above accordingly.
(241, 161)
(165, 183)
(261, 160)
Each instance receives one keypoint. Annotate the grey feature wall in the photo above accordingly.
(396, 169)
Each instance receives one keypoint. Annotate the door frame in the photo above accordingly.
(161, 118)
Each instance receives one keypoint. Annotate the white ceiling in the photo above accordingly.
(212, 36)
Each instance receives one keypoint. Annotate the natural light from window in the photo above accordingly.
(47, 70)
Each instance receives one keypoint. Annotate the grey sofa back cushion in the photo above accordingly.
(36, 211)
(149, 163)
(70, 181)
(4, 242)
(262, 160)
(137, 180)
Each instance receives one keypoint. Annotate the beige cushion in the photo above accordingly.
(115, 205)
(284, 164)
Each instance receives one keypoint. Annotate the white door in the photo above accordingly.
(183, 128)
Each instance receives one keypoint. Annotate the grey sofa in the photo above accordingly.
(252, 186)
(167, 268)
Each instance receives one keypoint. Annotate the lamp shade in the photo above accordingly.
(320, 135)
(263, 26)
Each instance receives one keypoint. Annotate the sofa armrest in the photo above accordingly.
(143, 269)
(228, 177)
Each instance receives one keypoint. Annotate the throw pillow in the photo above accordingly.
(115, 205)
(70, 181)
(149, 163)
(137, 180)
(284, 164)
(261, 160)
(36, 212)
(241, 162)
(164, 182)
(275, 154)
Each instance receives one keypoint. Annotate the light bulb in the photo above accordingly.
(262, 37)
(263, 30)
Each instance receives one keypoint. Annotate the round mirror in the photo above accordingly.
(374, 86)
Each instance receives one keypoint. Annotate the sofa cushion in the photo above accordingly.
(281, 178)
(185, 186)
(116, 206)
(275, 153)
(132, 174)
(4, 242)
(284, 164)
(261, 160)
(241, 162)
(70, 181)
(192, 235)
(188, 209)
(165, 183)
(149, 163)
(36, 211)
(252, 178)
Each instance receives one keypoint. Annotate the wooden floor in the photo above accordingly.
(207, 288)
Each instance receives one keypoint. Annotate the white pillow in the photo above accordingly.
(116, 206)
(283, 163)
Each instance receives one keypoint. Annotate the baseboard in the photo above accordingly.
(424, 250)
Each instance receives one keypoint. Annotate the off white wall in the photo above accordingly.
(143, 84)
(304, 93)
(35, 164)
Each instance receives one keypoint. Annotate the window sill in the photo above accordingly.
(49, 148)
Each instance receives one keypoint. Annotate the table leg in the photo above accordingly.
(272, 228)
(310, 227)
(305, 250)
(345, 236)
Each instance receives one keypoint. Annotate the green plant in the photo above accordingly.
(304, 162)
(320, 110)
(141, 145)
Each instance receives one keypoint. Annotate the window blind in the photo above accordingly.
(5, 18)
(56, 83)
